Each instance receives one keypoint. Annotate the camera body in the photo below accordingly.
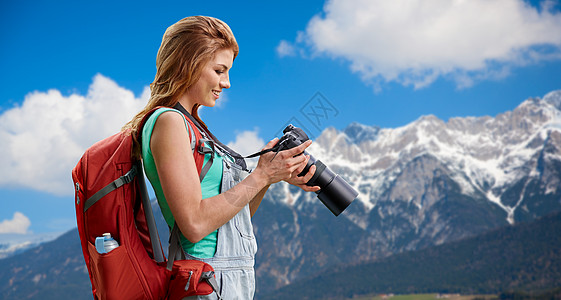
(335, 192)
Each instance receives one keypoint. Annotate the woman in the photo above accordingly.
(213, 215)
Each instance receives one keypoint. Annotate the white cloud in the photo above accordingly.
(414, 42)
(18, 224)
(43, 139)
(246, 143)
(285, 48)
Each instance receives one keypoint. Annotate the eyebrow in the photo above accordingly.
(223, 66)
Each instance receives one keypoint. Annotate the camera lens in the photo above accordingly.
(337, 195)
(335, 192)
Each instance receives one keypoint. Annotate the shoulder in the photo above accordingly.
(172, 124)
(159, 116)
(170, 116)
(169, 122)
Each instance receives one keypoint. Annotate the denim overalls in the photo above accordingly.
(236, 247)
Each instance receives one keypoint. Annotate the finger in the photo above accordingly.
(310, 173)
(299, 149)
(297, 181)
(306, 178)
(303, 165)
(290, 160)
(309, 188)
(271, 143)
(296, 163)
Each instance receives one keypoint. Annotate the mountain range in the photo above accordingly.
(429, 183)
(424, 184)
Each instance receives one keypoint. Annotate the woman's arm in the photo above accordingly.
(256, 201)
(197, 217)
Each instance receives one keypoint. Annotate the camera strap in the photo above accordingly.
(209, 136)
(278, 147)
(259, 153)
(239, 158)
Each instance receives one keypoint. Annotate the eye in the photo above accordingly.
(219, 72)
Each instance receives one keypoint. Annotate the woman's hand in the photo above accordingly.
(283, 165)
(301, 181)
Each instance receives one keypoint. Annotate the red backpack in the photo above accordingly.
(111, 197)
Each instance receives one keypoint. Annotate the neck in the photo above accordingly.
(186, 104)
(181, 107)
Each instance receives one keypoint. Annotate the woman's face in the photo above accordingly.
(214, 78)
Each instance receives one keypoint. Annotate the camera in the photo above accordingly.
(335, 193)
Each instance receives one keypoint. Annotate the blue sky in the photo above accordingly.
(73, 73)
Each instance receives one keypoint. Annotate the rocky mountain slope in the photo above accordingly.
(524, 257)
(53, 270)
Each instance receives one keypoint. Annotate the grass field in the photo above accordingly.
(426, 297)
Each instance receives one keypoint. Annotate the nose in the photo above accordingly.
(225, 82)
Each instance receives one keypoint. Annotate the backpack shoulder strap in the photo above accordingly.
(206, 141)
(206, 145)
(145, 199)
(193, 137)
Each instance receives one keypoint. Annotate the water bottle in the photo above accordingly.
(105, 243)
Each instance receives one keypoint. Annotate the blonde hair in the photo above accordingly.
(187, 46)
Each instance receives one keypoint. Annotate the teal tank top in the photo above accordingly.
(210, 186)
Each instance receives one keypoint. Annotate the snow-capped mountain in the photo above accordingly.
(485, 155)
(423, 184)
(12, 244)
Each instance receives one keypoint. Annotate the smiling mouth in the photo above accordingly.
(216, 93)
